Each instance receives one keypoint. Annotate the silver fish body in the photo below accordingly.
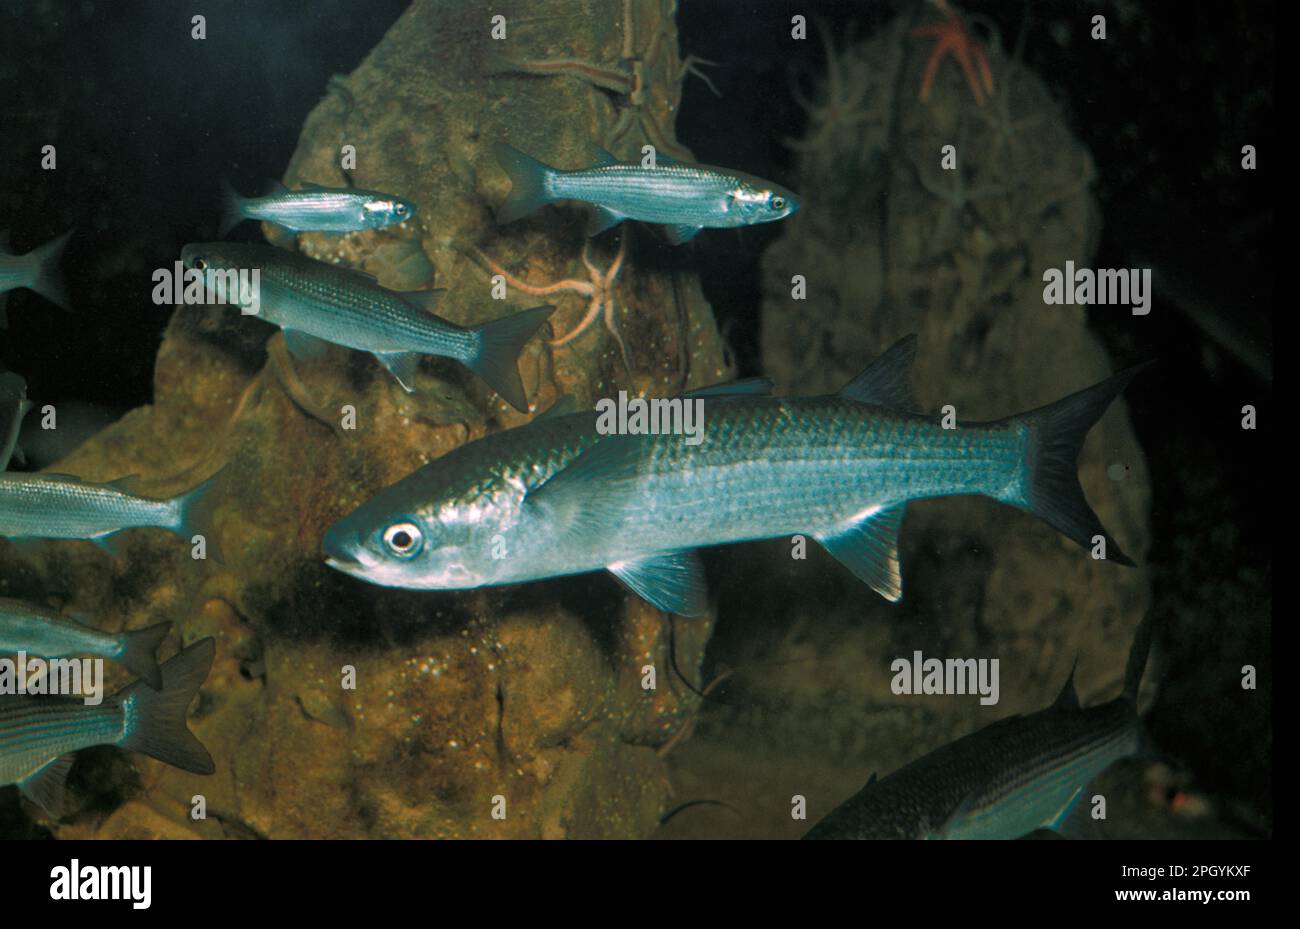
(838, 468)
(316, 302)
(39, 735)
(1004, 781)
(317, 209)
(684, 198)
(39, 630)
(56, 506)
(14, 405)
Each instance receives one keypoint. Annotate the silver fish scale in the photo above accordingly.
(347, 309)
(771, 467)
(41, 506)
(688, 195)
(36, 730)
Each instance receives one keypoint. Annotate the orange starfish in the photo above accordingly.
(953, 38)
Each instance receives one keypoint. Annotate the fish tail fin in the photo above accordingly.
(1056, 435)
(530, 183)
(232, 208)
(499, 344)
(156, 718)
(140, 653)
(47, 279)
(196, 507)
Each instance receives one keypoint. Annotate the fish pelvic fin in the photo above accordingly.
(1056, 435)
(530, 183)
(499, 344)
(140, 653)
(46, 278)
(197, 507)
(156, 718)
(232, 208)
(671, 581)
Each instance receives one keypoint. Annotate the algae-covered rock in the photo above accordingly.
(889, 243)
(338, 709)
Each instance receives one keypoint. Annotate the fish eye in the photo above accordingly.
(198, 264)
(400, 209)
(403, 539)
(778, 202)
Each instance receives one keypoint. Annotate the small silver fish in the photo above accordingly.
(316, 208)
(558, 499)
(314, 302)
(1005, 781)
(58, 506)
(13, 407)
(39, 630)
(39, 736)
(683, 198)
(37, 270)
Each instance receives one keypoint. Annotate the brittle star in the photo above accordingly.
(600, 288)
(846, 88)
(953, 38)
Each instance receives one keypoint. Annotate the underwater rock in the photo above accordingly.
(510, 712)
(888, 243)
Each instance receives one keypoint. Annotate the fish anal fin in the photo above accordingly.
(673, 581)
(302, 346)
(869, 548)
(48, 787)
(112, 543)
(401, 365)
(599, 219)
(887, 381)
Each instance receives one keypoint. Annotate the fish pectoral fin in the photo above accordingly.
(673, 582)
(600, 219)
(302, 346)
(422, 300)
(887, 381)
(17, 454)
(678, 235)
(869, 548)
(48, 787)
(961, 812)
(401, 365)
(590, 495)
(563, 407)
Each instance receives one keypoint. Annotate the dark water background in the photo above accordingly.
(146, 124)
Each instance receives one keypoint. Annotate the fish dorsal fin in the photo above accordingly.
(57, 476)
(47, 788)
(1068, 698)
(871, 780)
(308, 185)
(869, 548)
(127, 484)
(274, 187)
(744, 387)
(671, 581)
(887, 381)
(562, 407)
(601, 157)
(662, 159)
(422, 300)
